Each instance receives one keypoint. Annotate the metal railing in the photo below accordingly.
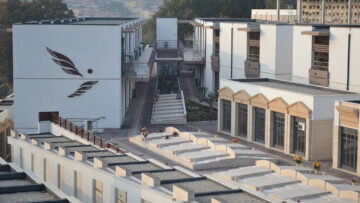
(136, 69)
(183, 101)
(166, 44)
(81, 132)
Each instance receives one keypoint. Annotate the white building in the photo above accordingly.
(89, 173)
(327, 56)
(84, 69)
(284, 116)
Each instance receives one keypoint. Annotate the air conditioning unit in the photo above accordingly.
(301, 126)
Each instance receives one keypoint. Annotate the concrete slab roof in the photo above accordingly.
(294, 87)
(83, 21)
(18, 187)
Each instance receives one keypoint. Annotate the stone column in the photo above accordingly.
(250, 125)
(287, 135)
(268, 128)
(234, 119)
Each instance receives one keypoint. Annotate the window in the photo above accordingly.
(349, 148)
(46, 170)
(259, 125)
(226, 115)
(98, 191)
(61, 174)
(278, 129)
(121, 196)
(299, 133)
(242, 122)
(78, 185)
(33, 163)
(22, 158)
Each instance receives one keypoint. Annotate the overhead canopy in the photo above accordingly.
(247, 29)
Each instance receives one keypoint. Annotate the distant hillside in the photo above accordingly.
(114, 8)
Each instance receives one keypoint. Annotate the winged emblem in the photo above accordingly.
(69, 67)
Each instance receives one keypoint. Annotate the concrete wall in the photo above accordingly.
(209, 79)
(239, 50)
(166, 30)
(302, 54)
(41, 85)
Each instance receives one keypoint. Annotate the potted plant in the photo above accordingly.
(298, 160)
(297, 200)
(235, 140)
(317, 167)
(353, 181)
(144, 132)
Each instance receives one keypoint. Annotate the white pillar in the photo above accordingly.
(299, 10)
(323, 11)
(278, 10)
(350, 12)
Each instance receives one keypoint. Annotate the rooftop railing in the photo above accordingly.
(81, 132)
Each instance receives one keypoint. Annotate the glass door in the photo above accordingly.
(242, 123)
(349, 148)
(260, 125)
(299, 135)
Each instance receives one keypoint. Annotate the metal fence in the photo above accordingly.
(79, 131)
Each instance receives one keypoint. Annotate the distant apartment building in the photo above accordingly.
(329, 11)
(83, 69)
(286, 15)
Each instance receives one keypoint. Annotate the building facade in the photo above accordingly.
(87, 64)
(345, 136)
(284, 116)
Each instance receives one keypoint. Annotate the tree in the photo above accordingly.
(18, 11)
(190, 9)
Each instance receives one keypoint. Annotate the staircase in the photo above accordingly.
(169, 110)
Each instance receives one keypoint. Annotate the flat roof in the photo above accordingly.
(204, 188)
(83, 21)
(291, 86)
(18, 187)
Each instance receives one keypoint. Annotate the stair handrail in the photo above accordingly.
(183, 101)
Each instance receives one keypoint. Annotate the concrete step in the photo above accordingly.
(170, 111)
(170, 121)
(164, 108)
(173, 101)
(167, 95)
(167, 116)
(157, 105)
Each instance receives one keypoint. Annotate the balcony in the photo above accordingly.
(252, 69)
(139, 70)
(319, 77)
(254, 43)
(168, 51)
(322, 48)
(215, 63)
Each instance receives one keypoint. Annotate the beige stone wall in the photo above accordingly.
(320, 140)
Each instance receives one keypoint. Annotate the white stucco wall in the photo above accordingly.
(355, 60)
(302, 54)
(283, 50)
(239, 50)
(209, 79)
(41, 85)
(166, 30)
(338, 54)
(267, 50)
